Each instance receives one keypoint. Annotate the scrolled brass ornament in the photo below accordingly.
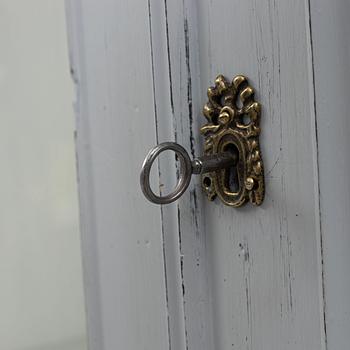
(233, 125)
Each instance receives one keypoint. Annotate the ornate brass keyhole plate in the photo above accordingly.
(233, 126)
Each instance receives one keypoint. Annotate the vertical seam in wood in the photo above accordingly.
(189, 82)
(159, 172)
(317, 169)
(165, 273)
(182, 273)
(152, 67)
(169, 60)
(193, 195)
(189, 104)
(193, 192)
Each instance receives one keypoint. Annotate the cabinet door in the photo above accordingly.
(197, 274)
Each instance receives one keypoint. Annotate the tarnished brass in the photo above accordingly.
(233, 126)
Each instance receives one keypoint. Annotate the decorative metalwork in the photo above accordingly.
(233, 126)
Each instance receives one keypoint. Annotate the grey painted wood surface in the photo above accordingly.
(331, 57)
(265, 262)
(195, 274)
(121, 232)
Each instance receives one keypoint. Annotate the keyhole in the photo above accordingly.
(231, 174)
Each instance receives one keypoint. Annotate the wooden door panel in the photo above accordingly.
(121, 233)
(197, 274)
(265, 261)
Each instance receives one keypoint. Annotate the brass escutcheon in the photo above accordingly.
(233, 125)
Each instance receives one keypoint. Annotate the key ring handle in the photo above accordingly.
(184, 176)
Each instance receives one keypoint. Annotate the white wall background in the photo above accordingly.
(41, 294)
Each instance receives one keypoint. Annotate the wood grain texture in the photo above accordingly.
(331, 54)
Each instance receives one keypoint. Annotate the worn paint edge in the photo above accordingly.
(159, 173)
(314, 139)
(75, 32)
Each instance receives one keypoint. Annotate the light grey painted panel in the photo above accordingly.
(121, 232)
(265, 262)
(331, 53)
